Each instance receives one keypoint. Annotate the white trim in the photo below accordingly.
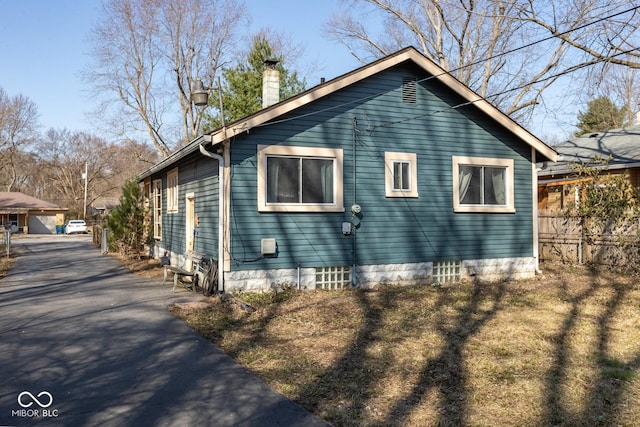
(172, 191)
(534, 204)
(509, 207)
(157, 210)
(223, 204)
(189, 220)
(389, 159)
(407, 54)
(277, 150)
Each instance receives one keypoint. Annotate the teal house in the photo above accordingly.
(394, 173)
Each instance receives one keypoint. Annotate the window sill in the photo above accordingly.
(484, 209)
(402, 194)
(301, 208)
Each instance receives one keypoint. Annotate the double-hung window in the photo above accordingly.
(172, 191)
(401, 174)
(299, 179)
(157, 209)
(482, 184)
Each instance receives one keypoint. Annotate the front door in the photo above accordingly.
(190, 221)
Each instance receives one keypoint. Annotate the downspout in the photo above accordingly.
(354, 278)
(220, 160)
(536, 219)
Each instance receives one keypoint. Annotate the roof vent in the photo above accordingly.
(408, 90)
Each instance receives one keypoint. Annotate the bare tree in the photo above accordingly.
(18, 128)
(622, 85)
(62, 156)
(508, 50)
(147, 55)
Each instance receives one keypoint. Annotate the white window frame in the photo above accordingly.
(391, 158)
(172, 191)
(508, 207)
(336, 154)
(157, 209)
(147, 196)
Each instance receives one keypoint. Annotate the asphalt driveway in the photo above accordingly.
(83, 342)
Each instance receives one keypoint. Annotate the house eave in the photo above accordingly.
(174, 157)
(276, 111)
(263, 116)
(567, 170)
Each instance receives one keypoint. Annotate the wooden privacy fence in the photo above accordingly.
(562, 238)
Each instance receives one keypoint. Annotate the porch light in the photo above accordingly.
(200, 93)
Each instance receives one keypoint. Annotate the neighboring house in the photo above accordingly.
(27, 214)
(558, 183)
(393, 173)
(102, 206)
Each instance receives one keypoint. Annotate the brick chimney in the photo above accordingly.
(270, 84)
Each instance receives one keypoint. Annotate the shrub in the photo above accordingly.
(126, 222)
(608, 209)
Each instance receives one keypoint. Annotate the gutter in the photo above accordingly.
(608, 166)
(207, 139)
(168, 161)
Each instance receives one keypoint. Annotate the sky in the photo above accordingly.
(44, 49)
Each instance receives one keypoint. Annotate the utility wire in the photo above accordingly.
(551, 37)
(555, 35)
(454, 107)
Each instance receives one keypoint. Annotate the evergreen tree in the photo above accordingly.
(242, 85)
(126, 222)
(602, 114)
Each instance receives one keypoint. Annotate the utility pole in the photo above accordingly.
(85, 176)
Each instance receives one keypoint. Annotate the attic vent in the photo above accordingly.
(408, 90)
(446, 271)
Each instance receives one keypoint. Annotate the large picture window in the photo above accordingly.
(299, 179)
(482, 184)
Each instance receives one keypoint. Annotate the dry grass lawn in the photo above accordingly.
(562, 349)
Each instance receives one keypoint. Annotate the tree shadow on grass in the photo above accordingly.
(444, 373)
(352, 393)
(606, 392)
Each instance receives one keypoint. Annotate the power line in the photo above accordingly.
(555, 35)
(551, 37)
(463, 104)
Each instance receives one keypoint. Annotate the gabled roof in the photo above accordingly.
(14, 201)
(623, 145)
(404, 55)
(409, 54)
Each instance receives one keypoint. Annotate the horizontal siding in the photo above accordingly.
(198, 175)
(393, 230)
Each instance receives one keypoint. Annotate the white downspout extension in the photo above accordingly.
(220, 160)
